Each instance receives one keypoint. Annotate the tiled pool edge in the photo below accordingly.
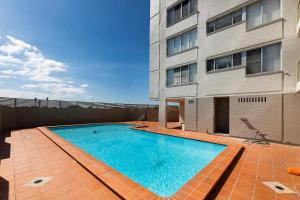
(198, 187)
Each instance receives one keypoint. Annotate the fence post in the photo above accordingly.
(35, 99)
(15, 102)
(47, 99)
(59, 103)
(39, 103)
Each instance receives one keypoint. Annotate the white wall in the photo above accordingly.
(291, 117)
(154, 7)
(264, 116)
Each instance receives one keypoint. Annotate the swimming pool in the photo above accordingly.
(160, 163)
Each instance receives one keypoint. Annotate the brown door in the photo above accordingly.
(222, 115)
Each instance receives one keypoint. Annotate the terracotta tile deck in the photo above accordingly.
(29, 153)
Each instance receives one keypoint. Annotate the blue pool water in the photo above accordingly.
(160, 163)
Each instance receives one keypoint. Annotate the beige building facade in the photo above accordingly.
(233, 66)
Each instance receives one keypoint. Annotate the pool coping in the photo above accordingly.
(197, 187)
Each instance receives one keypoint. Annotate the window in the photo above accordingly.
(170, 47)
(181, 11)
(263, 12)
(170, 77)
(193, 73)
(177, 76)
(237, 59)
(185, 8)
(185, 41)
(182, 42)
(224, 62)
(177, 13)
(194, 6)
(224, 21)
(271, 58)
(266, 59)
(210, 26)
(210, 65)
(237, 16)
(192, 38)
(171, 16)
(253, 62)
(177, 44)
(182, 75)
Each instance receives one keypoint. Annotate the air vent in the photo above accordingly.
(191, 101)
(258, 99)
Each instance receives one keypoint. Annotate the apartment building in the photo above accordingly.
(233, 66)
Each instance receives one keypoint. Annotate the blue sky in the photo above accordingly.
(72, 49)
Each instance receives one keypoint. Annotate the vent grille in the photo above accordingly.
(191, 101)
(258, 99)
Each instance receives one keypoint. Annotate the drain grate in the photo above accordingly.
(278, 187)
(38, 182)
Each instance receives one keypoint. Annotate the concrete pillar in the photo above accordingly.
(163, 113)
(181, 112)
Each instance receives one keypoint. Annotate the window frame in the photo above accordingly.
(228, 26)
(181, 42)
(260, 3)
(262, 59)
(180, 75)
(223, 69)
(181, 13)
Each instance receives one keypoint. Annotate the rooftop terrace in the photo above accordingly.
(28, 153)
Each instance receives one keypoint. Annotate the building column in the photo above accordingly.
(181, 112)
(163, 113)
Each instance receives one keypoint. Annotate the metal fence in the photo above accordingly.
(46, 103)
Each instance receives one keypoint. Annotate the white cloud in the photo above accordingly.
(5, 76)
(30, 95)
(7, 60)
(14, 46)
(55, 88)
(22, 60)
(84, 85)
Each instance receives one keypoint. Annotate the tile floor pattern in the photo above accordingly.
(31, 155)
(26, 154)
